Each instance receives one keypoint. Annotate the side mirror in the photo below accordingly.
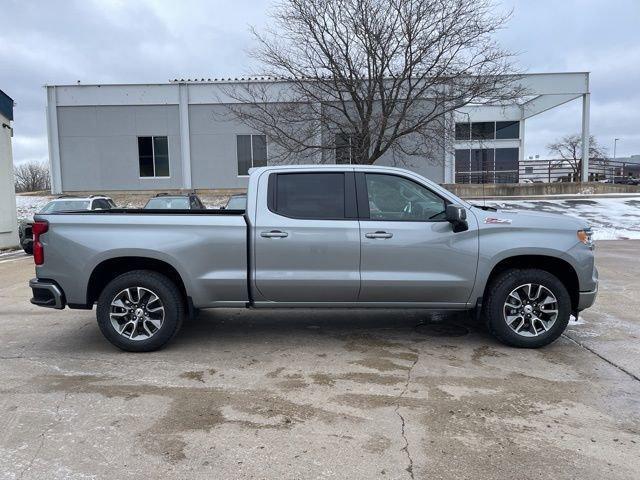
(457, 216)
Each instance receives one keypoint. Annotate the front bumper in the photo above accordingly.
(47, 294)
(586, 299)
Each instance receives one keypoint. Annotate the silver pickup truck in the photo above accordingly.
(315, 237)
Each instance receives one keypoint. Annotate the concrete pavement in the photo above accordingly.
(322, 394)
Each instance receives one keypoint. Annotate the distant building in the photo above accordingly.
(179, 135)
(559, 170)
(8, 221)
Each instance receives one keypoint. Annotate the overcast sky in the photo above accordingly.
(118, 41)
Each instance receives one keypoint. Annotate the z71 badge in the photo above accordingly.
(497, 220)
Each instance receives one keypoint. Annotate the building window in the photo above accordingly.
(488, 131)
(483, 131)
(507, 164)
(463, 160)
(507, 130)
(487, 165)
(483, 165)
(463, 131)
(345, 149)
(252, 152)
(153, 156)
(528, 170)
(507, 159)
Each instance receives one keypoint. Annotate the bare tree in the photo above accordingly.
(367, 77)
(568, 149)
(31, 177)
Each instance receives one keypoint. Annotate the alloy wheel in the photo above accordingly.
(530, 309)
(136, 313)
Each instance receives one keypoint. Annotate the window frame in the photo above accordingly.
(266, 151)
(363, 198)
(153, 156)
(350, 202)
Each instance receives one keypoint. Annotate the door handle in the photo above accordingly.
(274, 234)
(378, 234)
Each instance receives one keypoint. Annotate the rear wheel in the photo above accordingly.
(27, 247)
(140, 311)
(527, 308)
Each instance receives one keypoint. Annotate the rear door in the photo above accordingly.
(307, 238)
(409, 251)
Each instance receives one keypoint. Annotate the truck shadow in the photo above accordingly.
(292, 326)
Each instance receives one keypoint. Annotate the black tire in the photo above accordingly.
(28, 248)
(168, 293)
(496, 296)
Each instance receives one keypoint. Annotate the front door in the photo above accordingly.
(307, 239)
(409, 251)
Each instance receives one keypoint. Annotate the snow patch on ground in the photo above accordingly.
(576, 321)
(610, 218)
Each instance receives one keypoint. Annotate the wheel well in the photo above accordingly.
(110, 269)
(556, 266)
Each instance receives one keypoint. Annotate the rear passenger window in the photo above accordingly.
(309, 195)
(101, 204)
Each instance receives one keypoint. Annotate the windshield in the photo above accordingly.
(237, 203)
(172, 203)
(65, 206)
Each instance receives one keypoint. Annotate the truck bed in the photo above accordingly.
(208, 248)
(151, 211)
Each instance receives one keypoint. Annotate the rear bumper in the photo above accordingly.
(47, 294)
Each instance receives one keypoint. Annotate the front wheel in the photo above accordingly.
(527, 308)
(140, 311)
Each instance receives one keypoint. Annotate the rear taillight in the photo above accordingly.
(38, 228)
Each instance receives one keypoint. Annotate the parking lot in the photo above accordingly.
(322, 394)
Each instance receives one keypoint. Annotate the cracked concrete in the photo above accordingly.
(322, 394)
(405, 449)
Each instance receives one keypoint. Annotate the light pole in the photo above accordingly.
(615, 145)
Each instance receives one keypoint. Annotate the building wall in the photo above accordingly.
(93, 129)
(431, 169)
(99, 149)
(8, 221)
(99, 146)
(214, 161)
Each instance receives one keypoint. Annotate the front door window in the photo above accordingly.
(394, 198)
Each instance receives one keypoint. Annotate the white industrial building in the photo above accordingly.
(179, 135)
(8, 221)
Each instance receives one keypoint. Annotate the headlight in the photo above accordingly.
(584, 236)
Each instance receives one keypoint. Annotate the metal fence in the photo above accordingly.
(488, 176)
(549, 171)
